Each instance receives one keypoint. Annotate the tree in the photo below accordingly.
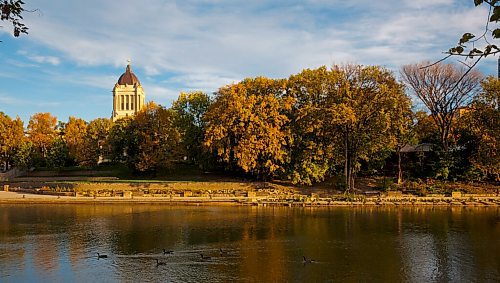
(376, 105)
(122, 140)
(157, 139)
(343, 116)
(25, 155)
(483, 122)
(404, 133)
(444, 90)
(96, 146)
(246, 126)
(58, 154)
(314, 114)
(11, 11)
(74, 136)
(190, 109)
(11, 137)
(42, 131)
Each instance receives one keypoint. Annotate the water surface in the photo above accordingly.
(60, 243)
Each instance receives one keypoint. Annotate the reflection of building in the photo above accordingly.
(128, 95)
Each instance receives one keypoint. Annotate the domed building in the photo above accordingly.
(128, 95)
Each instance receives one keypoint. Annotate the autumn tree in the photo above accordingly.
(443, 89)
(42, 131)
(96, 147)
(313, 152)
(190, 109)
(404, 133)
(11, 137)
(157, 139)
(247, 126)
(343, 116)
(482, 120)
(75, 131)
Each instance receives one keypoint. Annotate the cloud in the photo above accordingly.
(45, 59)
(41, 59)
(203, 45)
(221, 37)
(9, 100)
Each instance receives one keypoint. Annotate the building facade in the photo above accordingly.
(128, 95)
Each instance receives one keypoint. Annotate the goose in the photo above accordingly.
(165, 252)
(203, 257)
(159, 263)
(307, 260)
(101, 256)
(222, 252)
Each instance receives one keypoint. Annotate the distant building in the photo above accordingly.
(423, 147)
(128, 95)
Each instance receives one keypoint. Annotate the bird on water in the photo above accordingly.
(307, 260)
(203, 257)
(158, 263)
(101, 256)
(165, 252)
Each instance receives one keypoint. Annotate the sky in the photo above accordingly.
(76, 50)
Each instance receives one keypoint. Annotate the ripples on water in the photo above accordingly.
(60, 243)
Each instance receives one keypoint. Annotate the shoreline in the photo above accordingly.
(405, 201)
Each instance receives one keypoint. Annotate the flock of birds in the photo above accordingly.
(203, 257)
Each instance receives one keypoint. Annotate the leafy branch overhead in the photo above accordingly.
(11, 11)
(467, 44)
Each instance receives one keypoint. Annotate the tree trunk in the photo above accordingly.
(400, 170)
(346, 163)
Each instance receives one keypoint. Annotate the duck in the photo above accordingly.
(165, 252)
(222, 252)
(203, 257)
(307, 260)
(101, 256)
(158, 263)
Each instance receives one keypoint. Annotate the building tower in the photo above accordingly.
(128, 95)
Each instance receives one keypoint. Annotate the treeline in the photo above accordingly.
(341, 121)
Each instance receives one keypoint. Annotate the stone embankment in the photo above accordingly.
(230, 193)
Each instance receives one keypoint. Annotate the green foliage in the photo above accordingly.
(25, 156)
(190, 109)
(121, 140)
(96, 146)
(157, 140)
(341, 117)
(58, 154)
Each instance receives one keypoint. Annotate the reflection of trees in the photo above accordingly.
(352, 244)
(449, 244)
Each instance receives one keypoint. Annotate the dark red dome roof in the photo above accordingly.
(128, 78)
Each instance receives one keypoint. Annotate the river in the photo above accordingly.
(47, 243)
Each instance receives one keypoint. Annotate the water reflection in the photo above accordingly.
(60, 242)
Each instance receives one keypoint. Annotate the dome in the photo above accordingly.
(128, 78)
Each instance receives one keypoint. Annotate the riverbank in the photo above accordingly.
(26, 198)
